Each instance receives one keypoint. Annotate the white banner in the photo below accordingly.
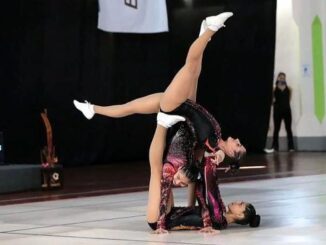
(133, 16)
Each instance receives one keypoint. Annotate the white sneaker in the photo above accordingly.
(214, 23)
(203, 27)
(86, 108)
(167, 121)
(268, 150)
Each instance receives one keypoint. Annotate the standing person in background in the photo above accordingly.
(281, 111)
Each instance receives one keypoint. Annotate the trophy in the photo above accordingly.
(51, 171)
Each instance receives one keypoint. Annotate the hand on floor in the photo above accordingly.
(160, 231)
(210, 230)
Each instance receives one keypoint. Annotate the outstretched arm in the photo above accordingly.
(214, 199)
(156, 165)
(166, 188)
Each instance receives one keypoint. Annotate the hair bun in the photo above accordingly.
(255, 221)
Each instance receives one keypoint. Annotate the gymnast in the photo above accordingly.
(179, 99)
(215, 214)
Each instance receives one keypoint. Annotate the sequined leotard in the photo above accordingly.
(179, 152)
(211, 207)
(200, 130)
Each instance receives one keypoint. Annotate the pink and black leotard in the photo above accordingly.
(209, 196)
(210, 211)
(179, 151)
(200, 130)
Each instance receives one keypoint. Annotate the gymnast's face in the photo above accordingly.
(234, 148)
(237, 208)
(180, 179)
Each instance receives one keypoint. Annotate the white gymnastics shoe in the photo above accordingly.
(168, 121)
(86, 108)
(214, 23)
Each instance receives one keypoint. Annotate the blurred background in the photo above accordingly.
(52, 52)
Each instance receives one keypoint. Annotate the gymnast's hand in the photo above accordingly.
(209, 229)
(217, 157)
(160, 231)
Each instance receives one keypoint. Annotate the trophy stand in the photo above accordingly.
(51, 171)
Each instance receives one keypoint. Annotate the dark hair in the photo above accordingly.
(281, 73)
(234, 162)
(250, 217)
(191, 171)
(238, 156)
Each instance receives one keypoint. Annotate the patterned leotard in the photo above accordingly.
(179, 150)
(209, 197)
(200, 130)
(211, 208)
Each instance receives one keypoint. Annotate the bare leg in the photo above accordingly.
(184, 84)
(145, 105)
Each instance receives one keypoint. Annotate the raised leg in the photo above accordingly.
(144, 105)
(184, 84)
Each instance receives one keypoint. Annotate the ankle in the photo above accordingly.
(208, 34)
(94, 108)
